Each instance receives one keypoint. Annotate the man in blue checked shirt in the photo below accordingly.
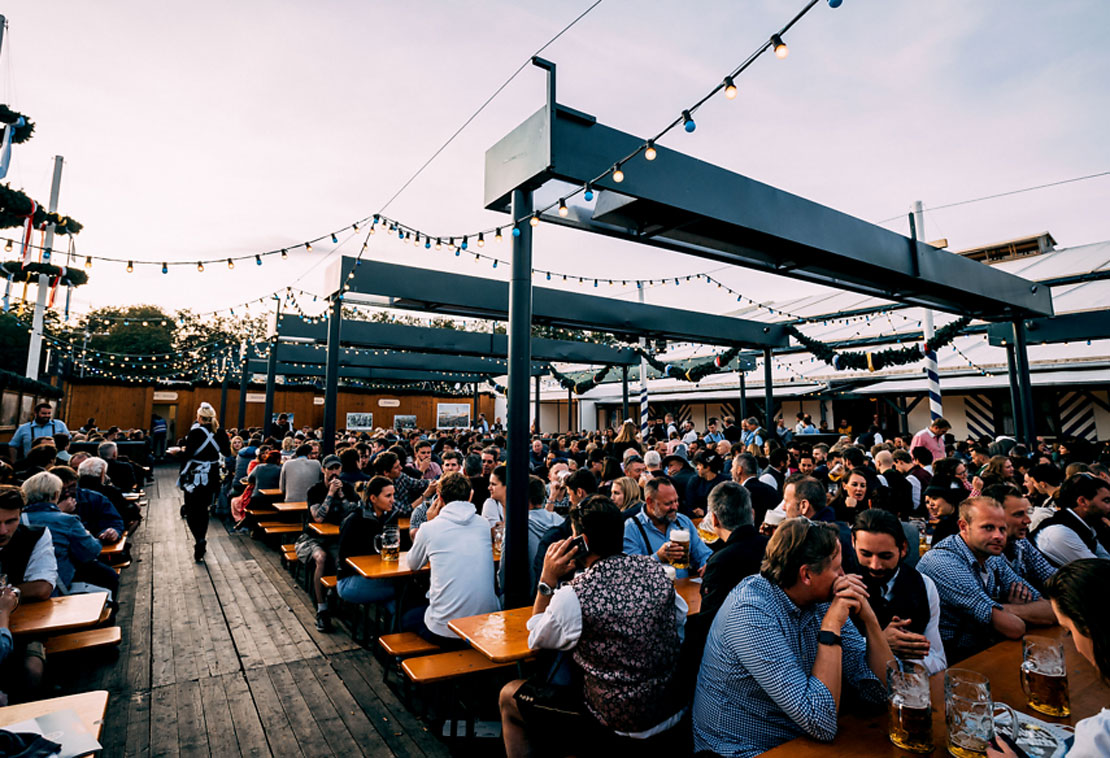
(780, 651)
(981, 598)
(649, 531)
(1024, 558)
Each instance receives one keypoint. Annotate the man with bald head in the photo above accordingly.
(898, 496)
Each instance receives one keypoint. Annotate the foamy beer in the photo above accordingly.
(388, 543)
(681, 537)
(1044, 676)
(911, 718)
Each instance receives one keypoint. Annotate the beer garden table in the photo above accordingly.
(58, 614)
(325, 529)
(295, 506)
(373, 567)
(868, 736)
(89, 706)
(114, 550)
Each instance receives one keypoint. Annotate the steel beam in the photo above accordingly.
(244, 383)
(331, 373)
(440, 292)
(371, 374)
(1025, 386)
(317, 354)
(1070, 327)
(680, 203)
(768, 394)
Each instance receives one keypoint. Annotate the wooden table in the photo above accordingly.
(403, 523)
(502, 636)
(89, 706)
(271, 493)
(373, 567)
(58, 614)
(293, 506)
(325, 529)
(114, 550)
(131, 495)
(868, 736)
(690, 589)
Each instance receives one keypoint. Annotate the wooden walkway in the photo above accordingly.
(223, 659)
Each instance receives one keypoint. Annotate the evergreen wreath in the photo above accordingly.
(876, 361)
(579, 387)
(20, 134)
(71, 277)
(15, 207)
(694, 373)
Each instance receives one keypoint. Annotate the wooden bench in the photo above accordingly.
(261, 512)
(329, 582)
(90, 639)
(428, 669)
(119, 567)
(270, 528)
(405, 644)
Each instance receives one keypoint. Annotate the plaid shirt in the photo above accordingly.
(1028, 562)
(755, 687)
(969, 594)
(406, 489)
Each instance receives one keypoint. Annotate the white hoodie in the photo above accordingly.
(459, 547)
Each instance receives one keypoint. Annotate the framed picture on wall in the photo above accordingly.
(452, 415)
(360, 422)
(402, 422)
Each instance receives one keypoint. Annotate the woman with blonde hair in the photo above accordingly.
(626, 495)
(205, 446)
(625, 440)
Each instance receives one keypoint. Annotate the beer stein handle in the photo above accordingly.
(1014, 726)
(378, 543)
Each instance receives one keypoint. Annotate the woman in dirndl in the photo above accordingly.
(205, 446)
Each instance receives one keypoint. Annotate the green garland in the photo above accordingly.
(71, 277)
(21, 133)
(876, 361)
(15, 205)
(694, 373)
(579, 387)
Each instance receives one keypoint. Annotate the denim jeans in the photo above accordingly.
(363, 591)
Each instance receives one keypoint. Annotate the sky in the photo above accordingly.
(213, 129)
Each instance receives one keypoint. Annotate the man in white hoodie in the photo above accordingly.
(456, 541)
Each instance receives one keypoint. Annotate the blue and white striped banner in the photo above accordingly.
(979, 412)
(1077, 416)
(643, 392)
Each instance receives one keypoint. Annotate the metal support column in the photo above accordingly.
(570, 410)
(624, 393)
(271, 382)
(537, 410)
(743, 399)
(1025, 385)
(331, 374)
(768, 393)
(1015, 393)
(474, 415)
(223, 392)
(244, 382)
(514, 554)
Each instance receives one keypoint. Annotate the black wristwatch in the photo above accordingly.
(828, 638)
(547, 590)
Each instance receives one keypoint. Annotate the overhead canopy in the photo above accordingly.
(680, 203)
(420, 339)
(458, 295)
(368, 374)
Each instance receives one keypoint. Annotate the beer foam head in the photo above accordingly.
(680, 535)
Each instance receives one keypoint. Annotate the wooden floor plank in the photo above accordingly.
(163, 722)
(192, 729)
(218, 725)
(251, 737)
(275, 723)
(136, 676)
(137, 744)
(352, 714)
(301, 717)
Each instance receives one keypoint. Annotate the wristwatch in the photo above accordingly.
(547, 590)
(828, 638)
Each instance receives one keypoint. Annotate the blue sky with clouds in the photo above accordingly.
(211, 128)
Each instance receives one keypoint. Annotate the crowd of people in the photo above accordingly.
(59, 507)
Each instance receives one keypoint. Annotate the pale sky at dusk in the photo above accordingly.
(211, 129)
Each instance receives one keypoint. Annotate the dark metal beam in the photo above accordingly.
(680, 203)
(422, 339)
(244, 382)
(768, 394)
(1025, 386)
(457, 295)
(376, 374)
(331, 373)
(1069, 327)
(316, 354)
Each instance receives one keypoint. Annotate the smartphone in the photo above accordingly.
(580, 543)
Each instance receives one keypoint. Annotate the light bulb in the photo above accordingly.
(88, 261)
(200, 267)
(563, 210)
(650, 153)
(334, 239)
(516, 231)
(284, 254)
(439, 244)
(230, 263)
(130, 267)
(618, 174)
(688, 122)
(730, 88)
(258, 260)
(465, 243)
(535, 220)
(481, 239)
(781, 50)
(8, 246)
(308, 247)
(165, 270)
(498, 235)
(354, 226)
(588, 195)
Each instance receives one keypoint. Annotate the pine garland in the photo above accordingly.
(20, 134)
(695, 373)
(71, 277)
(15, 205)
(876, 361)
(579, 387)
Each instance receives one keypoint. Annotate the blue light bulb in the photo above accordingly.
(835, 3)
(334, 239)
(427, 244)
(588, 195)
(516, 231)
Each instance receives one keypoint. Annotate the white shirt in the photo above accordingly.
(493, 511)
(1092, 737)
(43, 564)
(458, 545)
(689, 437)
(935, 661)
(1062, 545)
(769, 479)
(1038, 514)
(915, 490)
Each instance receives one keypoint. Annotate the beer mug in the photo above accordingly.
(681, 537)
(705, 531)
(388, 543)
(911, 717)
(1044, 676)
(969, 713)
(498, 540)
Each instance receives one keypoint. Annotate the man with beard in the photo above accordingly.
(905, 602)
(1027, 561)
(981, 598)
(649, 531)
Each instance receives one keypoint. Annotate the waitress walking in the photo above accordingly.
(205, 446)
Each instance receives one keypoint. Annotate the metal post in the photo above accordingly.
(624, 392)
(570, 410)
(271, 380)
(331, 374)
(743, 399)
(515, 552)
(223, 392)
(1015, 393)
(244, 383)
(1025, 397)
(34, 350)
(768, 393)
(537, 405)
(474, 415)
(932, 374)
(644, 409)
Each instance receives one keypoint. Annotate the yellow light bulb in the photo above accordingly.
(781, 50)
(650, 153)
(618, 176)
(730, 88)
(535, 220)
(130, 267)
